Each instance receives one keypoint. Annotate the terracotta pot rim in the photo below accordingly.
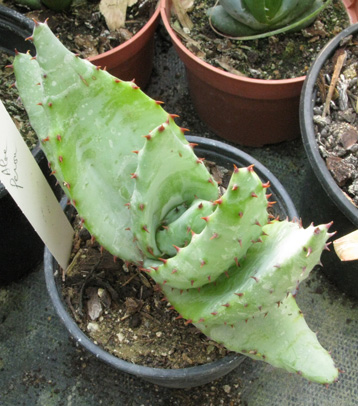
(130, 42)
(230, 76)
(178, 43)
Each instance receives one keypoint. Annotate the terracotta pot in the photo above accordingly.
(134, 58)
(131, 60)
(251, 112)
(224, 155)
(323, 200)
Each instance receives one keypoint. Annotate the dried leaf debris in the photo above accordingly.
(336, 117)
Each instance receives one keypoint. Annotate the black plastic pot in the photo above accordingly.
(20, 247)
(323, 200)
(226, 156)
(14, 28)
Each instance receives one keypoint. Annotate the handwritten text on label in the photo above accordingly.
(9, 168)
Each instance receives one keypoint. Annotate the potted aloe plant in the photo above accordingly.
(227, 265)
(241, 109)
(133, 58)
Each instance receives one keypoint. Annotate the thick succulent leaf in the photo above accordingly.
(273, 12)
(270, 270)
(179, 232)
(225, 23)
(281, 338)
(229, 232)
(305, 11)
(291, 25)
(238, 10)
(247, 308)
(174, 214)
(258, 9)
(262, 14)
(291, 16)
(31, 79)
(272, 7)
(94, 123)
(168, 174)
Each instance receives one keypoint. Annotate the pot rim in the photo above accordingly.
(129, 43)
(164, 6)
(27, 23)
(165, 11)
(187, 377)
(308, 133)
(13, 17)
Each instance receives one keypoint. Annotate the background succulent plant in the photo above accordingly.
(252, 19)
(126, 166)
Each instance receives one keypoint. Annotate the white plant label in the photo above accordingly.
(23, 179)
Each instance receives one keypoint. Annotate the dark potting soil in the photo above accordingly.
(282, 56)
(336, 119)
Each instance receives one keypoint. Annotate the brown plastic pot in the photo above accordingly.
(251, 112)
(134, 58)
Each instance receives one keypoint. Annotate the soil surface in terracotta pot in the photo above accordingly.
(282, 56)
(83, 29)
(336, 116)
(119, 307)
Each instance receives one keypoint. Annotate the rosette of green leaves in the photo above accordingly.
(254, 19)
